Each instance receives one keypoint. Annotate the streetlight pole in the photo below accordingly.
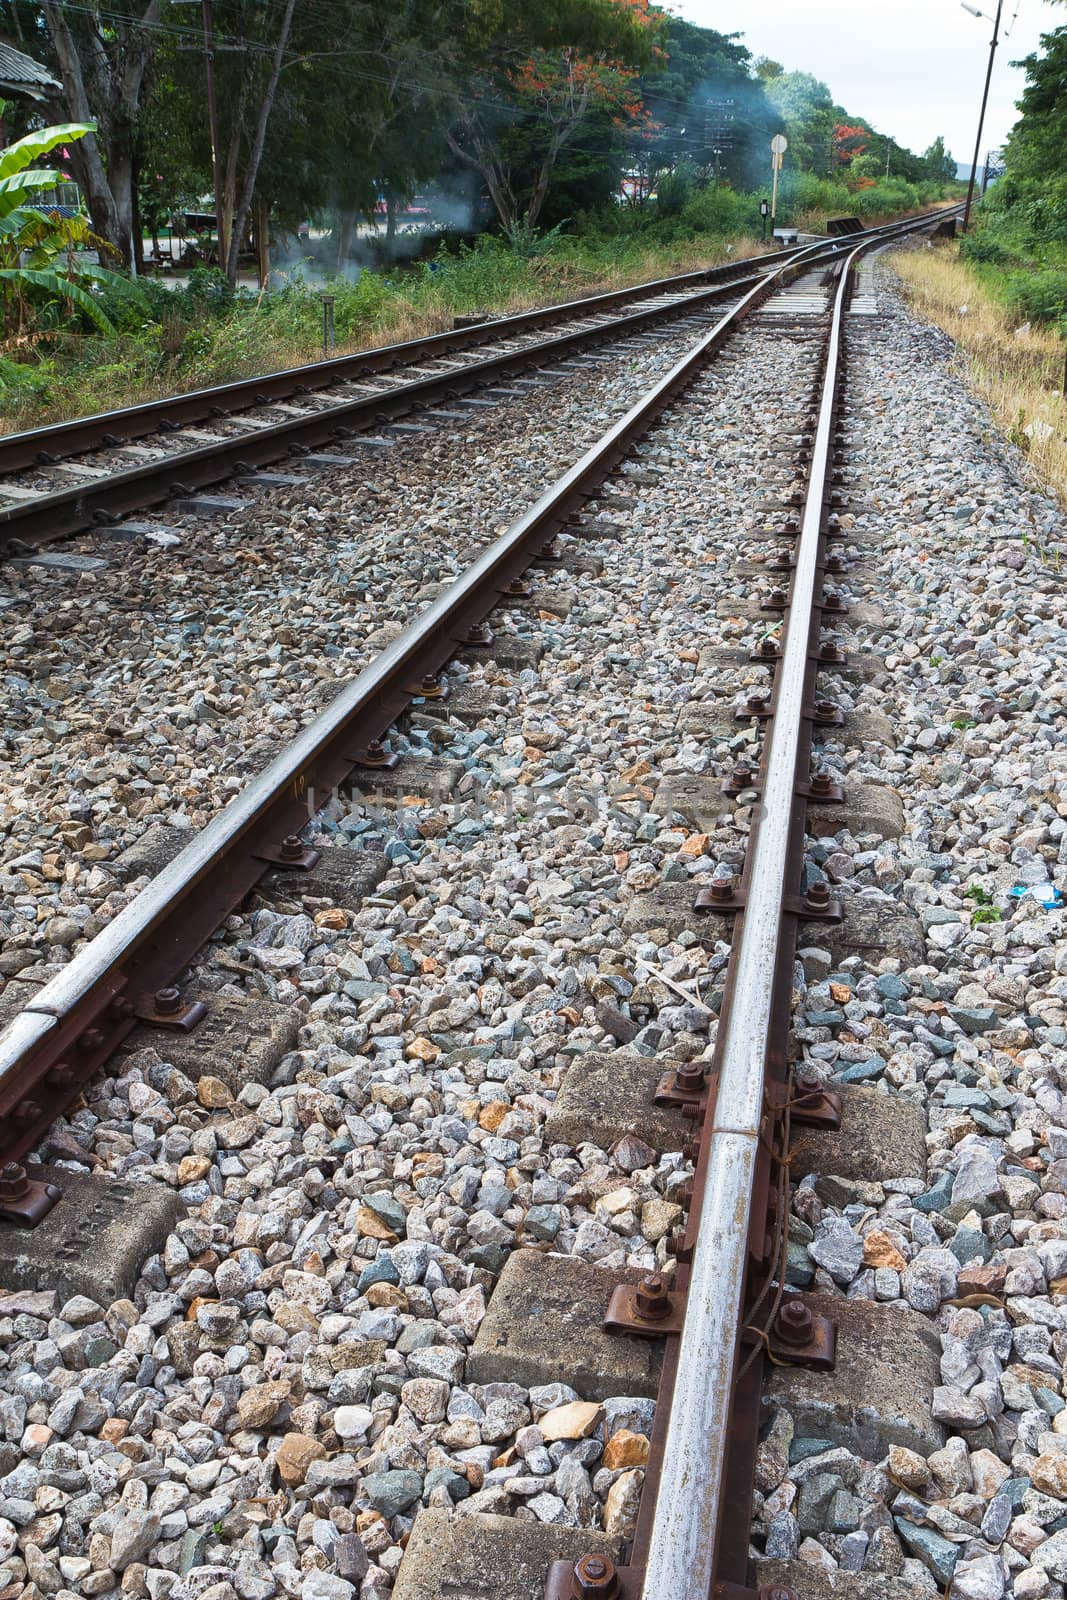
(985, 101)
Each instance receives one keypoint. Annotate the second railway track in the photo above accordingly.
(677, 1156)
(91, 472)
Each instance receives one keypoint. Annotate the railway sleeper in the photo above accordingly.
(873, 928)
(485, 1557)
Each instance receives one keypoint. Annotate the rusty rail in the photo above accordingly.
(726, 1306)
(681, 1557)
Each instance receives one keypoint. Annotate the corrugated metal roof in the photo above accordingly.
(21, 74)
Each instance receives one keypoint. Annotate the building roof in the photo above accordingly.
(22, 75)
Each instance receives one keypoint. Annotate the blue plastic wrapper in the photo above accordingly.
(1046, 894)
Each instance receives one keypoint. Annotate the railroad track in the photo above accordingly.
(723, 1308)
(93, 472)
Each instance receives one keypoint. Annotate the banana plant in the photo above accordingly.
(38, 265)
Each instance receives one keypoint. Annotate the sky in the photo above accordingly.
(913, 68)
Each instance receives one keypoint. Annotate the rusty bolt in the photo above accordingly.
(430, 683)
(778, 1591)
(768, 648)
(722, 889)
(595, 1578)
(831, 601)
(90, 1040)
(820, 782)
(479, 634)
(651, 1298)
(818, 895)
(60, 1076)
(825, 708)
(551, 552)
(13, 1181)
(292, 848)
(167, 1002)
(834, 564)
(689, 1076)
(120, 1007)
(743, 774)
(806, 1088)
(776, 600)
(517, 589)
(793, 1324)
(781, 561)
(26, 1111)
(756, 703)
(833, 652)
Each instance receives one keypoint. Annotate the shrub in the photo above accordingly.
(722, 211)
(985, 250)
(675, 190)
(1038, 296)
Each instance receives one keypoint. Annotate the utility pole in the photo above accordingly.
(213, 124)
(985, 101)
(212, 114)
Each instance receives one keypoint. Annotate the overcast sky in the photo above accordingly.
(913, 68)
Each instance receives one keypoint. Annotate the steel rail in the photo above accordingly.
(62, 513)
(681, 1553)
(78, 1018)
(61, 440)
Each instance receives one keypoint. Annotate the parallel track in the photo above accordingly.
(387, 385)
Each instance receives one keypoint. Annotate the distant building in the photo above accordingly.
(23, 77)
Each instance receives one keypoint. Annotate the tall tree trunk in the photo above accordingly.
(256, 153)
(261, 225)
(103, 84)
(346, 228)
(88, 168)
(390, 225)
(224, 222)
(483, 162)
(120, 180)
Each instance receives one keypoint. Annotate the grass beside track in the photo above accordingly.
(186, 346)
(1017, 369)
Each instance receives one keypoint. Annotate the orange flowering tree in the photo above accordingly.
(848, 142)
(557, 67)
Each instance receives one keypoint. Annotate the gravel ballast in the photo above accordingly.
(286, 1385)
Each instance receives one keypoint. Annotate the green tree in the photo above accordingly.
(1035, 148)
(706, 110)
(527, 78)
(103, 54)
(937, 161)
(38, 266)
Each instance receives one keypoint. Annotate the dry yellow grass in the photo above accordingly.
(1018, 371)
